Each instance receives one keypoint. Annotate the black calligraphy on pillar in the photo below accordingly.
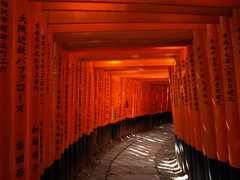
(42, 68)
(194, 83)
(76, 107)
(4, 36)
(58, 134)
(20, 84)
(238, 39)
(228, 67)
(36, 57)
(215, 72)
(202, 76)
(48, 58)
(184, 78)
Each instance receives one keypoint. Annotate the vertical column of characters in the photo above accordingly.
(64, 72)
(87, 97)
(33, 123)
(84, 98)
(117, 98)
(187, 99)
(184, 97)
(130, 88)
(123, 100)
(197, 126)
(101, 99)
(230, 92)
(204, 94)
(235, 31)
(107, 100)
(6, 27)
(127, 98)
(58, 101)
(134, 93)
(119, 102)
(173, 93)
(90, 97)
(96, 96)
(67, 102)
(113, 98)
(215, 72)
(19, 88)
(80, 124)
(70, 90)
(54, 101)
(48, 144)
(181, 99)
(42, 91)
(138, 99)
(76, 102)
(79, 98)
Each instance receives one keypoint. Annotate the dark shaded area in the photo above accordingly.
(200, 167)
(80, 154)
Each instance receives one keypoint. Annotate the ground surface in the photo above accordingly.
(142, 156)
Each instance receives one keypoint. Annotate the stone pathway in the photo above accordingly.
(143, 156)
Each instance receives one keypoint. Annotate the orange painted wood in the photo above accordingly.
(144, 8)
(197, 126)
(61, 28)
(72, 17)
(127, 43)
(235, 31)
(216, 77)
(204, 96)
(19, 67)
(213, 3)
(127, 35)
(6, 91)
(35, 119)
(230, 92)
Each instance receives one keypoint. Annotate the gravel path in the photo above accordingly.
(143, 156)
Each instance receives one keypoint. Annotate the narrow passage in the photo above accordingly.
(143, 156)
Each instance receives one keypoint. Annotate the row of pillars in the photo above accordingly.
(205, 96)
(53, 106)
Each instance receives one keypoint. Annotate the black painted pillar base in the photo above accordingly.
(234, 173)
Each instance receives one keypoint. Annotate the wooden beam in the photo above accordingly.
(147, 8)
(139, 63)
(74, 17)
(60, 28)
(93, 53)
(209, 3)
(120, 57)
(125, 43)
(123, 35)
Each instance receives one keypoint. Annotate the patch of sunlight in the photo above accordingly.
(185, 177)
(149, 139)
(134, 154)
(145, 154)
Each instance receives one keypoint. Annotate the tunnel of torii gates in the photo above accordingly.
(76, 75)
